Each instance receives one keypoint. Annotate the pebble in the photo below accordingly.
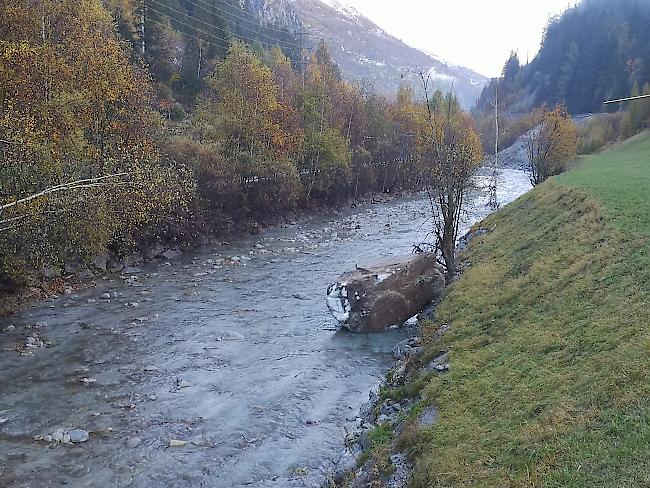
(412, 322)
(57, 435)
(77, 436)
(230, 336)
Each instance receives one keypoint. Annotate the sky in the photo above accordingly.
(477, 34)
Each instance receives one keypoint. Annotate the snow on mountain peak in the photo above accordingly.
(343, 8)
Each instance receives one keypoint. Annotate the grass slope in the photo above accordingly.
(550, 343)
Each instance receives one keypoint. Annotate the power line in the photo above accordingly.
(252, 20)
(188, 35)
(626, 99)
(274, 39)
(195, 19)
(188, 25)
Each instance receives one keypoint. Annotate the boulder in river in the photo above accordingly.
(386, 292)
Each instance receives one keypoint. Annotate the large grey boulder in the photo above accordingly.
(386, 292)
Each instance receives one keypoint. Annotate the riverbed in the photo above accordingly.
(238, 359)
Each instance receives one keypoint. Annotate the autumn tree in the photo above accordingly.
(410, 119)
(259, 135)
(73, 109)
(637, 116)
(378, 148)
(450, 156)
(325, 164)
(552, 145)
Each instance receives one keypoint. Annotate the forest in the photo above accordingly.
(602, 48)
(110, 142)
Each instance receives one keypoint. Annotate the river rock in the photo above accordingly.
(389, 291)
(171, 253)
(58, 435)
(177, 443)
(429, 416)
(77, 436)
(408, 348)
(153, 251)
(100, 262)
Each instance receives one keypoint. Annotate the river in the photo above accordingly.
(240, 360)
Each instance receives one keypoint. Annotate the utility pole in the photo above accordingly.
(494, 201)
(143, 13)
(301, 62)
(198, 69)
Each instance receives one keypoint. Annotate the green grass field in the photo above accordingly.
(550, 340)
(620, 179)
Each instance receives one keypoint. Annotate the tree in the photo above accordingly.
(552, 144)
(259, 134)
(450, 156)
(569, 68)
(73, 109)
(511, 68)
(325, 165)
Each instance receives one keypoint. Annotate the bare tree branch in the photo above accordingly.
(73, 185)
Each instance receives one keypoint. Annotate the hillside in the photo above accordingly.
(185, 39)
(549, 385)
(366, 52)
(594, 52)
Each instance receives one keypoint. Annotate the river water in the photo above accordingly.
(239, 360)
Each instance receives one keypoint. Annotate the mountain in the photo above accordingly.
(596, 51)
(365, 52)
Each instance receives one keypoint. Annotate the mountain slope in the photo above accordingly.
(596, 51)
(365, 52)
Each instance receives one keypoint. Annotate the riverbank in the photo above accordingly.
(75, 276)
(547, 343)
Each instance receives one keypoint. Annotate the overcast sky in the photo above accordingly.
(477, 34)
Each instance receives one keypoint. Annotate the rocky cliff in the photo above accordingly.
(364, 51)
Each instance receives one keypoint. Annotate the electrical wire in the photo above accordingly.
(187, 25)
(258, 27)
(275, 40)
(252, 20)
(188, 35)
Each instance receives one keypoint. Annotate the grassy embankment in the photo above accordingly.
(550, 342)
